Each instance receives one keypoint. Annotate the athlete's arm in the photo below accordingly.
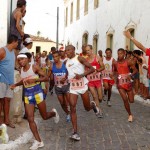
(131, 64)
(100, 60)
(90, 69)
(138, 44)
(18, 17)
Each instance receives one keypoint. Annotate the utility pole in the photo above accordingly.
(57, 32)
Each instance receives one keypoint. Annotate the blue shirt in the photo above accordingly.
(7, 66)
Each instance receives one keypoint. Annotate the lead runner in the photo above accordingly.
(78, 85)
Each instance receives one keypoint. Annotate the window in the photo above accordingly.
(71, 15)
(66, 16)
(85, 38)
(85, 7)
(110, 41)
(129, 43)
(96, 3)
(38, 49)
(78, 10)
(95, 44)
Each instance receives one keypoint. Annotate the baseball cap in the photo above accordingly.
(28, 40)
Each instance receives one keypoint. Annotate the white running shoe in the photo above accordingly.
(75, 136)
(56, 118)
(95, 108)
(36, 145)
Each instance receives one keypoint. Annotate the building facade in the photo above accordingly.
(41, 44)
(6, 7)
(101, 23)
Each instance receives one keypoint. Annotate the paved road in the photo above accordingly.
(113, 132)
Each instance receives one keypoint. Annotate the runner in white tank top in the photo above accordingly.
(107, 74)
(33, 94)
(78, 85)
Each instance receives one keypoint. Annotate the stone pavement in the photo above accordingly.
(113, 132)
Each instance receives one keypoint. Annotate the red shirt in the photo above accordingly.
(148, 54)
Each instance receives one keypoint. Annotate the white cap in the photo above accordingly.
(24, 50)
(28, 40)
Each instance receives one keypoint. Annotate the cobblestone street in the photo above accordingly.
(113, 132)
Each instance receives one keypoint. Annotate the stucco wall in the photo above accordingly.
(5, 8)
(115, 13)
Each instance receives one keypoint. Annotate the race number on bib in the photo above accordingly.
(94, 76)
(58, 81)
(106, 74)
(123, 79)
(76, 84)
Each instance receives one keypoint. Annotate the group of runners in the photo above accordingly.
(72, 76)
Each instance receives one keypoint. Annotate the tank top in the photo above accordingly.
(7, 67)
(123, 74)
(13, 29)
(108, 68)
(59, 73)
(75, 67)
(94, 76)
(30, 74)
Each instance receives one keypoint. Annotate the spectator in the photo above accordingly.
(7, 65)
(16, 17)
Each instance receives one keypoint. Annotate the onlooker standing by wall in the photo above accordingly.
(7, 64)
(16, 17)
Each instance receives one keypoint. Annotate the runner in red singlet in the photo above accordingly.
(124, 81)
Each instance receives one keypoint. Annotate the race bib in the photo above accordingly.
(30, 85)
(58, 81)
(76, 84)
(123, 79)
(106, 74)
(94, 76)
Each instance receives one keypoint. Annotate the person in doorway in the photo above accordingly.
(16, 17)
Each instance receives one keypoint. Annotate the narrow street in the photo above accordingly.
(113, 132)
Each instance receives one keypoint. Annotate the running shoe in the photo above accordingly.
(95, 108)
(100, 115)
(109, 103)
(130, 119)
(37, 145)
(68, 118)
(75, 136)
(56, 118)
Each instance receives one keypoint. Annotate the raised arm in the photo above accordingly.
(138, 44)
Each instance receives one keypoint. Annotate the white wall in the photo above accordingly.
(4, 19)
(114, 13)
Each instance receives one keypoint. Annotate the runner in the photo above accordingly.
(108, 82)
(94, 78)
(124, 81)
(78, 85)
(59, 71)
(33, 95)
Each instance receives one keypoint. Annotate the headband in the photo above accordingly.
(22, 56)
